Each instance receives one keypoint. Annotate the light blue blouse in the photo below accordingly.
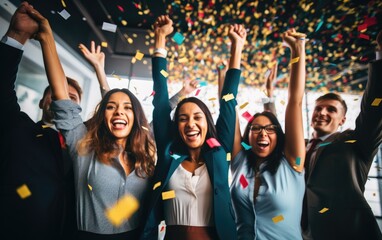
(98, 186)
(280, 196)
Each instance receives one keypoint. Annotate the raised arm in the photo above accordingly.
(97, 59)
(237, 34)
(53, 68)
(294, 132)
(161, 114)
(270, 106)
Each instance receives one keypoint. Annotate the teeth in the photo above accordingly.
(263, 142)
(192, 133)
(119, 122)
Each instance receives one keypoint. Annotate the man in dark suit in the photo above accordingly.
(36, 178)
(337, 170)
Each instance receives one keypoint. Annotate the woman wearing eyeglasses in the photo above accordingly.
(267, 168)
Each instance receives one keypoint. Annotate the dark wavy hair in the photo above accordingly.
(140, 145)
(178, 144)
(272, 162)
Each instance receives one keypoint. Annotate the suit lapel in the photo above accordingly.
(332, 138)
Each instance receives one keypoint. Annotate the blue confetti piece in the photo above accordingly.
(319, 25)
(178, 38)
(203, 84)
(298, 161)
(245, 146)
(324, 144)
(175, 156)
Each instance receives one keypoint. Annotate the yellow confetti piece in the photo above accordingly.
(133, 60)
(183, 60)
(116, 76)
(212, 99)
(164, 73)
(228, 156)
(156, 185)
(376, 102)
(278, 218)
(228, 97)
(46, 126)
(324, 210)
(124, 22)
(145, 128)
(139, 55)
(63, 3)
(244, 105)
(337, 77)
(23, 191)
(104, 44)
(168, 195)
(351, 141)
(122, 210)
(294, 60)
(90, 187)
(282, 102)
(39, 135)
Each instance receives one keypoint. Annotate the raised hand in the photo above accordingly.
(163, 25)
(94, 56)
(22, 27)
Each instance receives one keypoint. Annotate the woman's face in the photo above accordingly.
(192, 125)
(119, 115)
(263, 140)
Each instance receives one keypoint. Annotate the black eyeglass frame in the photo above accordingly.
(270, 128)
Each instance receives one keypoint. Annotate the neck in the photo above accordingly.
(194, 155)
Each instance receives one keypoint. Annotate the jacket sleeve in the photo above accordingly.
(225, 124)
(368, 128)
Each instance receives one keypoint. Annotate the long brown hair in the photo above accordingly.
(140, 145)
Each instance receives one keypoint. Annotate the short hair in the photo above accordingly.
(333, 96)
(72, 83)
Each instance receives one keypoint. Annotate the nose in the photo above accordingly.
(119, 111)
(263, 132)
(323, 111)
(190, 123)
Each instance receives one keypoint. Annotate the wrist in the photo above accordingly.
(161, 51)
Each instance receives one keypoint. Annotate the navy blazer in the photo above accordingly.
(215, 158)
(340, 171)
(31, 155)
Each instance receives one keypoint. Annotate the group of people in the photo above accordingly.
(60, 175)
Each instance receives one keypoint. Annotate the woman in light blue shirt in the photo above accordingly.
(268, 182)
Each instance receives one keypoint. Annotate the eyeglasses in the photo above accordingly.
(268, 128)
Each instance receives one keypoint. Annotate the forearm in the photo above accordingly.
(102, 80)
(53, 68)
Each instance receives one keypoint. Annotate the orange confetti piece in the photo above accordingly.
(156, 185)
(168, 195)
(23, 191)
(376, 102)
(122, 210)
(164, 73)
(324, 210)
(278, 218)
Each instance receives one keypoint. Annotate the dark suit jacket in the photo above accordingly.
(215, 158)
(340, 170)
(31, 155)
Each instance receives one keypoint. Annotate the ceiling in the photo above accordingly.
(341, 36)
